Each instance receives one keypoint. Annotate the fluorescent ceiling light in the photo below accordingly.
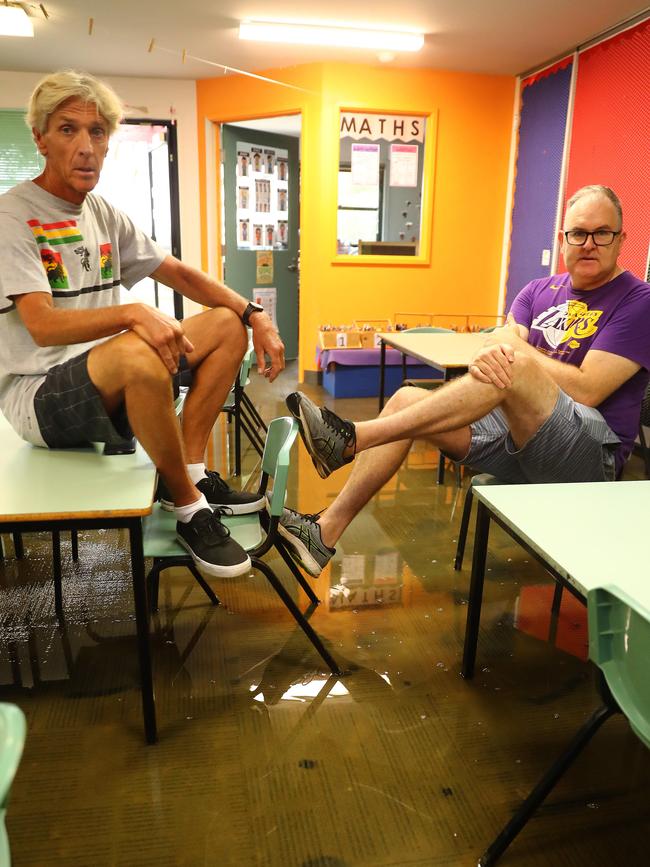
(14, 21)
(339, 36)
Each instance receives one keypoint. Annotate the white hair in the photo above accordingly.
(54, 89)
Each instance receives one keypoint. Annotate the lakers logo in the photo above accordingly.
(570, 321)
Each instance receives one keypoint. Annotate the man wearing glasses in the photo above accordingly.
(553, 396)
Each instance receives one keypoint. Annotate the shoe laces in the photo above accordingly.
(216, 481)
(313, 519)
(212, 522)
(338, 424)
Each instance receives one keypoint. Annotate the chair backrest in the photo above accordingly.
(428, 329)
(12, 739)
(245, 367)
(619, 643)
(275, 460)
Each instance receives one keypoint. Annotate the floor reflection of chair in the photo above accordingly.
(161, 545)
(619, 644)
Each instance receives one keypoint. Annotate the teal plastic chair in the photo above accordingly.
(12, 739)
(257, 533)
(619, 644)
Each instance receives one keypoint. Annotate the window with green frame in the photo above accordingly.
(19, 159)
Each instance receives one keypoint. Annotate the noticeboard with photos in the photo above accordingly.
(262, 197)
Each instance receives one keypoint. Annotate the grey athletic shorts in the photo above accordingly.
(574, 444)
(70, 412)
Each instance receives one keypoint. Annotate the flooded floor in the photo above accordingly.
(265, 760)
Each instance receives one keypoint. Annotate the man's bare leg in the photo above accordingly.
(375, 466)
(220, 340)
(442, 418)
(526, 403)
(125, 368)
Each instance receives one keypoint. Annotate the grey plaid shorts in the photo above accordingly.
(574, 444)
(70, 411)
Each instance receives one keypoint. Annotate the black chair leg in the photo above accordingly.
(74, 542)
(153, 580)
(297, 615)
(464, 527)
(475, 600)
(557, 598)
(19, 550)
(238, 393)
(295, 571)
(56, 571)
(545, 785)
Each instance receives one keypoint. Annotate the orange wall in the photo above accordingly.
(474, 119)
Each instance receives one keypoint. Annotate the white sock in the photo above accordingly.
(196, 471)
(184, 514)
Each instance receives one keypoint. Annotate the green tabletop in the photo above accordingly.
(593, 533)
(58, 484)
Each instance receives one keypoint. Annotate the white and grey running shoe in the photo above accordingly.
(302, 536)
(325, 435)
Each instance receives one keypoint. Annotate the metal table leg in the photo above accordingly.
(476, 590)
(142, 627)
(382, 374)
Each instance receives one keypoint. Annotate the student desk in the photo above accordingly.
(588, 535)
(448, 353)
(66, 489)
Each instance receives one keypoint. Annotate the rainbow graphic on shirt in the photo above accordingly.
(64, 232)
(55, 269)
(106, 261)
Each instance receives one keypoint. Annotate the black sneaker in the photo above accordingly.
(218, 494)
(211, 546)
(327, 437)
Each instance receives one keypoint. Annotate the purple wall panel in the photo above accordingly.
(539, 163)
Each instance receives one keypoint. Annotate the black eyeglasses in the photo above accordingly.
(602, 237)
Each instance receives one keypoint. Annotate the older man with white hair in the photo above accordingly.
(77, 365)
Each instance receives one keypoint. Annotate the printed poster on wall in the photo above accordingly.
(244, 234)
(403, 165)
(364, 165)
(268, 299)
(264, 267)
(262, 197)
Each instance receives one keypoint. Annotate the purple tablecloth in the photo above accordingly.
(356, 357)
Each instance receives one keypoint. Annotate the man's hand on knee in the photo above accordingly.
(493, 364)
(164, 333)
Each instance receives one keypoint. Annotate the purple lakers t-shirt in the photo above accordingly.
(565, 323)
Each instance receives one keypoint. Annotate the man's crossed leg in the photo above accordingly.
(526, 431)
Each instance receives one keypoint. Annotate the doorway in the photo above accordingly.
(260, 182)
(140, 177)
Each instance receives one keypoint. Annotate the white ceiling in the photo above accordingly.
(488, 36)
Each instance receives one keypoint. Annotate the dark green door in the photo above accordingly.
(261, 208)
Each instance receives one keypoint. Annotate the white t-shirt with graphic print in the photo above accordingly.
(78, 254)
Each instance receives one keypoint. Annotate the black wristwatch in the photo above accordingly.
(251, 308)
